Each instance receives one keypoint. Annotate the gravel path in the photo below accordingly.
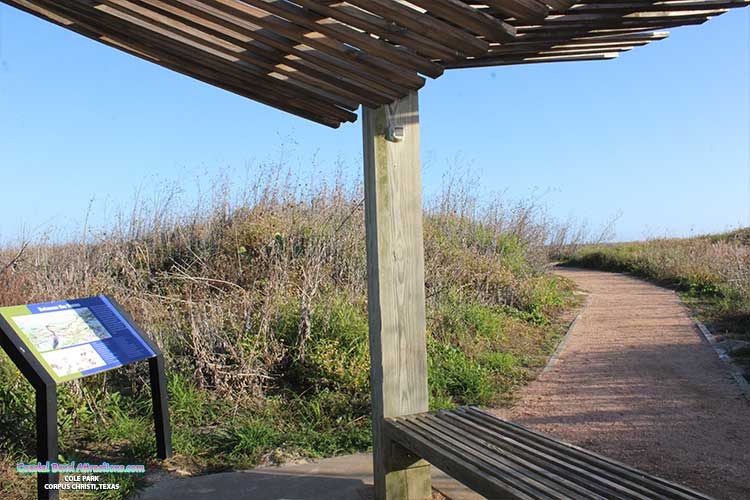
(636, 382)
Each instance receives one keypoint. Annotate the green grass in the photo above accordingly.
(261, 312)
(478, 355)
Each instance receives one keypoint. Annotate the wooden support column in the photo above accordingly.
(395, 289)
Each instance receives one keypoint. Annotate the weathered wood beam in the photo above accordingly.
(648, 6)
(353, 71)
(602, 19)
(346, 34)
(395, 290)
(425, 25)
(137, 41)
(511, 60)
(406, 79)
(322, 59)
(522, 10)
(386, 30)
(235, 53)
(268, 56)
(647, 36)
(469, 18)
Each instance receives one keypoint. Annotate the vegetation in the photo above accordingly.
(712, 273)
(258, 299)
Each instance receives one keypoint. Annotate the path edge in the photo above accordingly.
(555, 357)
(725, 358)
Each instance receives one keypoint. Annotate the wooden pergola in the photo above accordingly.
(322, 60)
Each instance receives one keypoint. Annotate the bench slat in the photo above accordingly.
(491, 463)
(452, 464)
(500, 460)
(587, 490)
(604, 483)
(666, 488)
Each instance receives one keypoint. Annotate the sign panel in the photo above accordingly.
(75, 338)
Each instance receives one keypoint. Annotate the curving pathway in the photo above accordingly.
(637, 382)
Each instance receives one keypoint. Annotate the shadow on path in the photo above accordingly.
(636, 382)
(259, 485)
(339, 478)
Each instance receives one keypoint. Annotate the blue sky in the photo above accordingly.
(660, 135)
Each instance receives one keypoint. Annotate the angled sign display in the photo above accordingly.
(75, 338)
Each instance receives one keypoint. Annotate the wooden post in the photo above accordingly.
(395, 289)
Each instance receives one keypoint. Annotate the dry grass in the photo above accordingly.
(713, 272)
(213, 283)
(258, 298)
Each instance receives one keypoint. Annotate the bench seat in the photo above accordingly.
(499, 459)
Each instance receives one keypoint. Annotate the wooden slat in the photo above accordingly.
(475, 440)
(632, 26)
(514, 60)
(386, 30)
(354, 71)
(451, 462)
(559, 35)
(460, 14)
(490, 454)
(425, 25)
(522, 10)
(345, 34)
(154, 20)
(271, 56)
(409, 80)
(567, 51)
(567, 450)
(324, 58)
(586, 38)
(603, 20)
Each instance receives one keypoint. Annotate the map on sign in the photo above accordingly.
(77, 359)
(73, 339)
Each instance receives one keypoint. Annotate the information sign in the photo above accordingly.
(75, 338)
(55, 342)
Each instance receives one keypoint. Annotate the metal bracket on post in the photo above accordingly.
(395, 133)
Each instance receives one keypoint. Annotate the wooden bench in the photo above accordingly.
(499, 460)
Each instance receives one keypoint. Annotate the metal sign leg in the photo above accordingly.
(46, 438)
(161, 410)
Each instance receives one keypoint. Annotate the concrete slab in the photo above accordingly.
(340, 478)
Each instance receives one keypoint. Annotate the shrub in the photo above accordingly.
(259, 305)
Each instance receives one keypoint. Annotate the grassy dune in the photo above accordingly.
(712, 273)
(259, 302)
